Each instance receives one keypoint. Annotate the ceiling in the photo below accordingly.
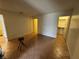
(35, 7)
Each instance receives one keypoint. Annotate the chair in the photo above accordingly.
(21, 43)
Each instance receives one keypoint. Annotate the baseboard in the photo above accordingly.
(26, 36)
(29, 36)
(46, 36)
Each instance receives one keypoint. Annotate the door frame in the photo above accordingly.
(68, 25)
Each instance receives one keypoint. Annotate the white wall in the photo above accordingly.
(48, 24)
(17, 25)
(73, 36)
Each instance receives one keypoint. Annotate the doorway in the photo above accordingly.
(3, 34)
(63, 26)
(35, 25)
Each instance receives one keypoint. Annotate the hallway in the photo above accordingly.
(39, 47)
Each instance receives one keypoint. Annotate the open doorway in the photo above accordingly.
(3, 34)
(63, 26)
(35, 25)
